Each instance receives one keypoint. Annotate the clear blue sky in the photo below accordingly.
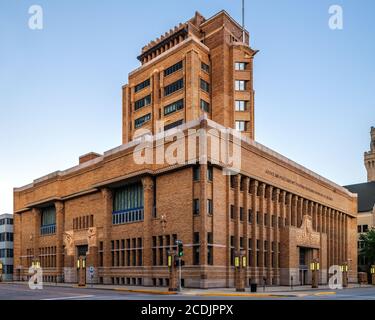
(60, 88)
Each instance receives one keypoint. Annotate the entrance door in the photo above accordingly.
(81, 264)
(303, 268)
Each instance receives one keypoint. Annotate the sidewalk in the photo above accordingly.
(270, 291)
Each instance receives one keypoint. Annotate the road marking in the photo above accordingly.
(70, 298)
(324, 293)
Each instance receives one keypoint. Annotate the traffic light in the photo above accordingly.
(180, 248)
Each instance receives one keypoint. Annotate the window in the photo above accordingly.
(196, 246)
(240, 85)
(232, 211)
(175, 86)
(210, 255)
(232, 250)
(128, 204)
(48, 225)
(241, 105)
(250, 216)
(241, 126)
(142, 85)
(173, 125)
(240, 66)
(210, 210)
(365, 228)
(154, 251)
(142, 102)
(205, 67)
(205, 86)
(266, 219)
(196, 206)
(142, 120)
(196, 173)
(205, 106)
(232, 181)
(209, 173)
(173, 69)
(359, 229)
(258, 217)
(241, 214)
(173, 107)
(273, 221)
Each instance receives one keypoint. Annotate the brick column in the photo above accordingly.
(36, 231)
(299, 211)
(254, 190)
(107, 227)
(60, 217)
(269, 195)
(246, 181)
(148, 195)
(294, 204)
(237, 230)
(261, 229)
(277, 212)
(203, 224)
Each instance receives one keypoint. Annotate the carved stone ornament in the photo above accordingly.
(69, 243)
(91, 237)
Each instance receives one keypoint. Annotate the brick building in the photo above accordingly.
(124, 216)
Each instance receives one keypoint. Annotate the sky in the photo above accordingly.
(60, 87)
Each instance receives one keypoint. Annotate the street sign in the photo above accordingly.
(91, 270)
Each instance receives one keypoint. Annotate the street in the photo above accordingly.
(22, 292)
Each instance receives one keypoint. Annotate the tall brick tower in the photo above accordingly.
(370, 158)
(202, 66)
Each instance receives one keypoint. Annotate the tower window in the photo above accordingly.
(205, 86)
(205, 106)
(142, 120)
(142, 85)
(241, 105)
(241, 126)
(240, 85)
(240, 66)
(205, 67)
(142, 102)
(176, 67)
(175, 86)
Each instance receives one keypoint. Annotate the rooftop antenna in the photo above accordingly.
(243, 21)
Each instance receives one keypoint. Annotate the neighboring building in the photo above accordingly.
(124, 216)
(366, 198)
(6, 246)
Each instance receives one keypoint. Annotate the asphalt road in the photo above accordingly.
(22, 292)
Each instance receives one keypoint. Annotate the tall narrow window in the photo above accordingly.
(196, 246)
(210, 249)
(196, 206)
(210, 209)
(205, 86)
(205, 106)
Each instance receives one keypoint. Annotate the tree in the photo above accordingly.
(368, 246)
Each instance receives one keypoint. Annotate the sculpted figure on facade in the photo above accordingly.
(68, 243)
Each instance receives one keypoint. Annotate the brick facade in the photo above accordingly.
(268, 211)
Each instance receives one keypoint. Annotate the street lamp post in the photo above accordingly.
(240, 264)
(315, 267)
(344, 270)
